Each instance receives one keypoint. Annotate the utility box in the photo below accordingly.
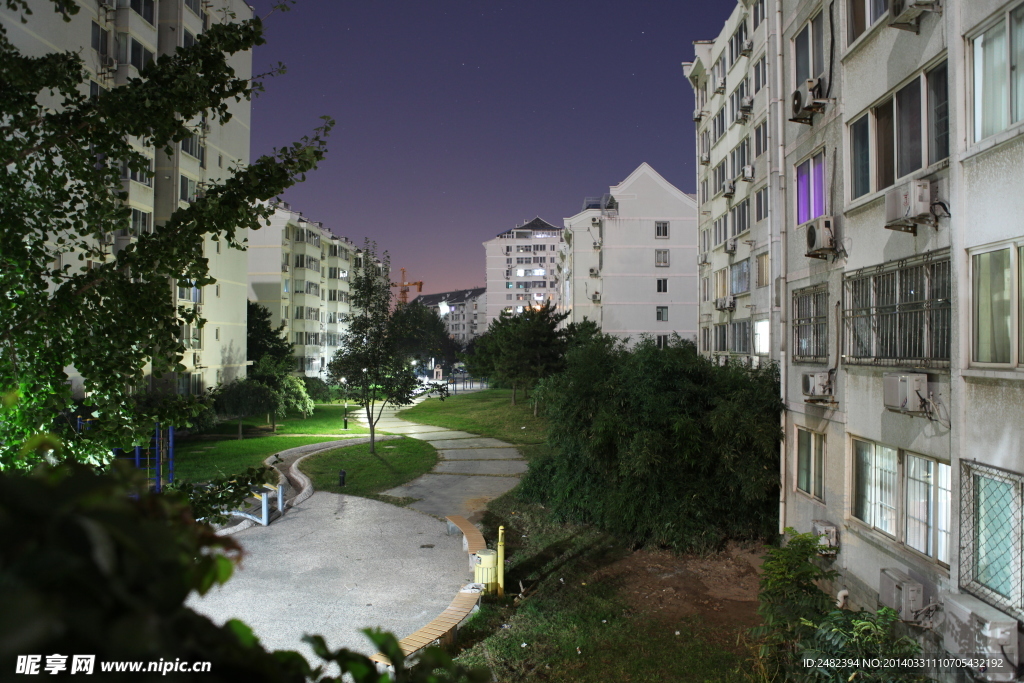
(485, 569)
(905, 392)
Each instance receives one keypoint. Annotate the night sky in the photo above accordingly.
(456, 120)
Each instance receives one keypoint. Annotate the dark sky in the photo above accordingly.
(458, 119)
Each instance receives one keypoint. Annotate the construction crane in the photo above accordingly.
(403, 288)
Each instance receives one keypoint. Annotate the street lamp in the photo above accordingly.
(344, 390)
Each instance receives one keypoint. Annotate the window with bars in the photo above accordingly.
(810, 324)
(899, 313)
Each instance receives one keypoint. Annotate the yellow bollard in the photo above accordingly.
(501, 560)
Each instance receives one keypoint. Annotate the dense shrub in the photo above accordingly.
(661, 445)
(317, 389)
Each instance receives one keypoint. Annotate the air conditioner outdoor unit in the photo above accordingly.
(197, 359)
(725, 303)
(905, 392)
(747, 104)
(107, 3)
(107, 238)
(705, 159)
(730, 246)
(821, 239)
(703, 260)
(199, 309)
(595, 297)
(974, 628)
(817, 385)
(747, 48)
(595, 222)
(594, 272)
(909, 205)
(827, 534)
(108, 62)
(729, 189)
(748, 173)
(698, 115)
(284, 267)
(897, 591)
(742, 116)
(904, 13)
(597, 244)
(808, 100)
(720, 85)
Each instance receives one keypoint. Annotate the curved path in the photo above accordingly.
(335, 564)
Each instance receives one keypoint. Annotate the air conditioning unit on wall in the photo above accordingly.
(905, 14)
(808, 100)
(827, 534)
(817, 386)
(905, 392)
(976, 628)
(897, 591)
(821, 241)
(908, 206)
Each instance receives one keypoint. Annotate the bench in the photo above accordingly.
(444, 629)
(472, 540)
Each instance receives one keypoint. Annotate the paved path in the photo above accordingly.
(473, 470)
(335, 564)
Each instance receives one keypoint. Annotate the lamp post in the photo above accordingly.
(344, 390)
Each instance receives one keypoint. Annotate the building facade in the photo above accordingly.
(628, 260)
(900, 304)
(115, 41)
(521, 268)
(464, 312)
(301, 272)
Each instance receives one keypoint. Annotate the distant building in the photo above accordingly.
(301, 271)
(629, 260)
(464, 311)
(521, 268)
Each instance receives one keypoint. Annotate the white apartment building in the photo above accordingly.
(737, 126)
(463, 311)
(521, 268)
(115, 39)
(301, 271)
(629, 260)
(901, 307)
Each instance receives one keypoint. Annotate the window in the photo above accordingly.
(863, 13)
(990, 529)
(899, 312)
(740, 217)
(662, 341)
(810, 188)
(141, 222)
(131, 51)
(764, 275)
(704, 191)
(736, 102)
(761, 138)
(721, 283)
(809, 50)
(705, 339)
(194, 147)
(661, 313)
(661, 229)
(661, 258)
(100, 39)
(191, 336)
(762, 337)
(740, 336)
(810, 324)
(721, 338)
(661, 285)
(95, 90)
(938, 113)
(903, 495)
(188, 190)
(189, 292)
(196, 6)
(761, 204)
(736, 42)
(719, 177)
(758, 12)
(860, 147)
(738, 157)
(144, 8)
(739, 277)
(760, 74)
(187, 39)
(143, 175)
(993, 288)
(999, 75)
(718, 125)
(705, 289)
(810, 463)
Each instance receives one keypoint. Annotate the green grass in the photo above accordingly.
(326, 419)
(487, 413)
(203, 460)
(396, 462)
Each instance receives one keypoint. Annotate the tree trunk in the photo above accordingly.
(513, 393)
(273, 422)
(536, 402)
(369, 420)
(239, 428)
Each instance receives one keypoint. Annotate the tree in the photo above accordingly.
(262, 338)
(423, 335)
(371, 361)
(245, 397)
(109, 315)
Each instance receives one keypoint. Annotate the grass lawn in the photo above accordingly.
(327, 418)
(396, 462)
(203, 460)
(487, 413)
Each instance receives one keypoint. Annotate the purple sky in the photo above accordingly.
(456, 120)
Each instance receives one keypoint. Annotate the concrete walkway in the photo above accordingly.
(473, 470)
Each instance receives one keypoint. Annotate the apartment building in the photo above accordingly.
(628, 260)
(901, 308)
(464, 311)
(301, 272)
(737, 122)
(115, 39)
(521, 268)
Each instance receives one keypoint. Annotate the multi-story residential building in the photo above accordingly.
(301, 271)
(737, 129)
(521, 268)
(464, 311)
(901, 307)
(628, 260)
(115, 40)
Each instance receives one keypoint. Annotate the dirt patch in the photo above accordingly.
(718, 590)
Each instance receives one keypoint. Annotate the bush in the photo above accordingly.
(660, 445)
(317, 389)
